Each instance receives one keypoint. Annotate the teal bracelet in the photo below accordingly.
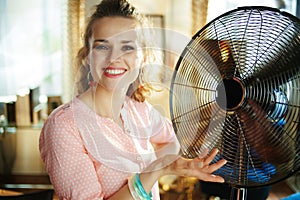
(140, 189)
(137, 190)
(133, 192)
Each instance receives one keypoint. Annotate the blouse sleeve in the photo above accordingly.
(163, 134)
(162, 129)
(71, 170)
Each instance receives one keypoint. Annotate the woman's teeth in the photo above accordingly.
(115, 71)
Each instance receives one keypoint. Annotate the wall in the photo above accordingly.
(28, 160)
(177, 13)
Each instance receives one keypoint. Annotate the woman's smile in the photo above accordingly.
(114, 72)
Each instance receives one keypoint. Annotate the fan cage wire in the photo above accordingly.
(255, 75)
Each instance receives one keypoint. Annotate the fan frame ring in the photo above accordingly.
(178, 65)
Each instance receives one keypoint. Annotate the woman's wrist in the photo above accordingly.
(148, 179)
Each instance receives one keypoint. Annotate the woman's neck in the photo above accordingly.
(105, 103)
(108, 104)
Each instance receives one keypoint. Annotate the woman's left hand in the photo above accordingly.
(199, 167)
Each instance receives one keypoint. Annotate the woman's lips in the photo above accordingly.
(112, 72)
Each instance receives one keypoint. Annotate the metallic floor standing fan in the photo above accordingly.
(237, 87)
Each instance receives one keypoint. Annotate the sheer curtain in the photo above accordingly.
(72, 37)
(3, 30)
(30, 46)
(199, 14)
(203, 11)
(216, 8)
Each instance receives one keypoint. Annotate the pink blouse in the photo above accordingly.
(91, 157)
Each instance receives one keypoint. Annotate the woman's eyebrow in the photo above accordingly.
(106, 41)
(101, 40)
(127, 41)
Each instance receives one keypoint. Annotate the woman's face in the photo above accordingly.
(116, 56)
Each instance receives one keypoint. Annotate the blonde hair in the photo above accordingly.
(109, 8)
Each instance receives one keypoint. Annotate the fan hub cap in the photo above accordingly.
(230, 94)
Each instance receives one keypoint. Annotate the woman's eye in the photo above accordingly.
(101, 47)
(128, 48)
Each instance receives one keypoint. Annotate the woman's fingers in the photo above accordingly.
(205, 173)
(202, 167)
(211, 156)
(203, 153)
(199, 167)
(214, 167)
(212, 178)
(207, 167)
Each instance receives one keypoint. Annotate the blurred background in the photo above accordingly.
(38, 42)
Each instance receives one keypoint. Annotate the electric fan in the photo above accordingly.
(236, 87)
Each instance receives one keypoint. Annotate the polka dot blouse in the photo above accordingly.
(91, 157)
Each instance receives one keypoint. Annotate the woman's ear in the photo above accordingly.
(144, 59)
(89, 51)
(88, 59)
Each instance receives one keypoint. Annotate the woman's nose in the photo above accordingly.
(115, 55)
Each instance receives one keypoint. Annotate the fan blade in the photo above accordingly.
(264, 137)
(276, 56)
(199, 129)
(221, 54)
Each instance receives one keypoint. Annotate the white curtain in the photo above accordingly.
(199, 14)
(72, 37)
(30, 45)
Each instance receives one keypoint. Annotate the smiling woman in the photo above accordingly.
(108, 142)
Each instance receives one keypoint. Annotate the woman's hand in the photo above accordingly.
(199, 167)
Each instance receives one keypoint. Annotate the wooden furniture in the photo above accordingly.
(5, 192)
(38, 195)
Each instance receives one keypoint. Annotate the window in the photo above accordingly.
(216, 8)
(31, 46)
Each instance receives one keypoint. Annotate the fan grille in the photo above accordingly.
(236, 87)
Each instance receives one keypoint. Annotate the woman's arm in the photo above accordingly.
(70, 168)
(198, 167)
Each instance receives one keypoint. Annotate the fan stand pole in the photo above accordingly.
(238, 193)
(241, 194)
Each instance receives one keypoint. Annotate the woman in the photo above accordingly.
(108, 143)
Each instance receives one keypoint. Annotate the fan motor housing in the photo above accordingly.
(230, 94)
